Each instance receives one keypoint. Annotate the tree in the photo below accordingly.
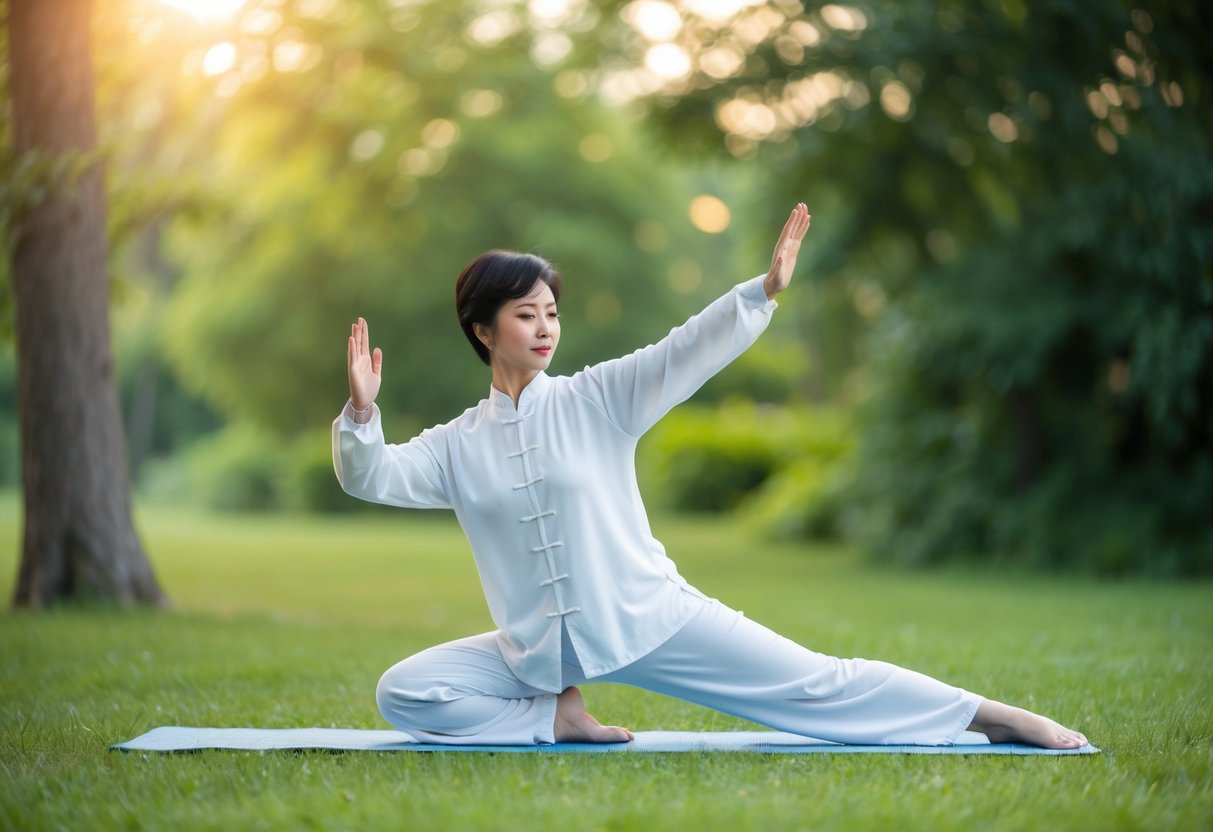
(79, 539)
(1015, 199)
(363, 175)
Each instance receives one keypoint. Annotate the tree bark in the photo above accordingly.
(79, 539)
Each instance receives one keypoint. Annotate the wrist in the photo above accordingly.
(363, 415)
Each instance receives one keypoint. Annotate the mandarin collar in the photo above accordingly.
(533, 389)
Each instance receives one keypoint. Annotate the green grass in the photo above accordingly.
(289, 621)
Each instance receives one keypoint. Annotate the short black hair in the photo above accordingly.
(493, 278)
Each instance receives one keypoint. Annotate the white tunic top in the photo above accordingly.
(547, 495)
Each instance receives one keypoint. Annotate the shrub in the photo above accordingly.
(780, 466)
(307, 480)
(236, 469)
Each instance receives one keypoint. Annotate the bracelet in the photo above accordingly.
(360, 412)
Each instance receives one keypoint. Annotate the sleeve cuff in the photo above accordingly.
(347, 414)
(756, 296)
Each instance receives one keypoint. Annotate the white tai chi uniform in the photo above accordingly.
(576, 583)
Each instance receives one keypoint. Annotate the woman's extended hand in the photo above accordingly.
(783, 261)
(364, 366)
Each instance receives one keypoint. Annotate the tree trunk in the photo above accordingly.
(79, 540)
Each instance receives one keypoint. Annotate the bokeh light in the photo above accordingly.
(654, 19)
(668, 61)
(718, 11)
(219, 59)
(208, 9)
(595, 148)
(709, 214)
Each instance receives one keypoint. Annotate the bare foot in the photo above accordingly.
(1003, 723)
(573, 724)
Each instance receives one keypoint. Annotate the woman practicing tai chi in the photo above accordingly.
(541, 475)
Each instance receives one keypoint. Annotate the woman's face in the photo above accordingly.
(526, 331)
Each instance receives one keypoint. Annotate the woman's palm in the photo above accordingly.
(365, 366)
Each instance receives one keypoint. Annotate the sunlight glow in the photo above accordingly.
(668, 61)
(654, 19)
(208, 9)
(717, 11)
(480, 103)
(754, 27)
(492, 28)
(440, 133)
(1002, 127)
(219, 59)
(366, 145)
(685, 275)
(844, 18)
(896, 101)
(550, 48)
(709, 214)
(595, 148)
(758, 115)
(618, 88)
(550, 12)
(724, 60)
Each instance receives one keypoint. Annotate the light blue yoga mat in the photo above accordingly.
(176, 738)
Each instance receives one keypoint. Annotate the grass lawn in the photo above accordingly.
(288, 622)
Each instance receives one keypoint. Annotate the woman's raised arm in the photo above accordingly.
(638, 389)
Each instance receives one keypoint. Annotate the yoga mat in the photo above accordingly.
(176, 738)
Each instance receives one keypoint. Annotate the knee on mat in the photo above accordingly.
(395, 699)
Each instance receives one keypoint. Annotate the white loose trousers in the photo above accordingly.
(464, 693)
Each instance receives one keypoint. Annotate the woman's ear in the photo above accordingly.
(484, 334)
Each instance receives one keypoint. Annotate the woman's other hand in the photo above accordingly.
(783, 261)
(364, 367)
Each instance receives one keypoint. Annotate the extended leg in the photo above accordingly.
(725, 661)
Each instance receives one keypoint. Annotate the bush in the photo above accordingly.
(307, 480)
(236, 469)
(707, 460)
(802, 501)
(781, 467)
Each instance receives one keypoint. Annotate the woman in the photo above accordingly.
(541, 476)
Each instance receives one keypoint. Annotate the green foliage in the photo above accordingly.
(783, 467)
(708, 461)
(237, 468)
(306, 479)
(1016, 200)
(804, 500)
(770, 372)
(241, 469)
(350, 161)
(360, 184)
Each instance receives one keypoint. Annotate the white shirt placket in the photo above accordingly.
(546, 544)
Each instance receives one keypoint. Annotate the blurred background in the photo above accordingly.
(998, 348)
